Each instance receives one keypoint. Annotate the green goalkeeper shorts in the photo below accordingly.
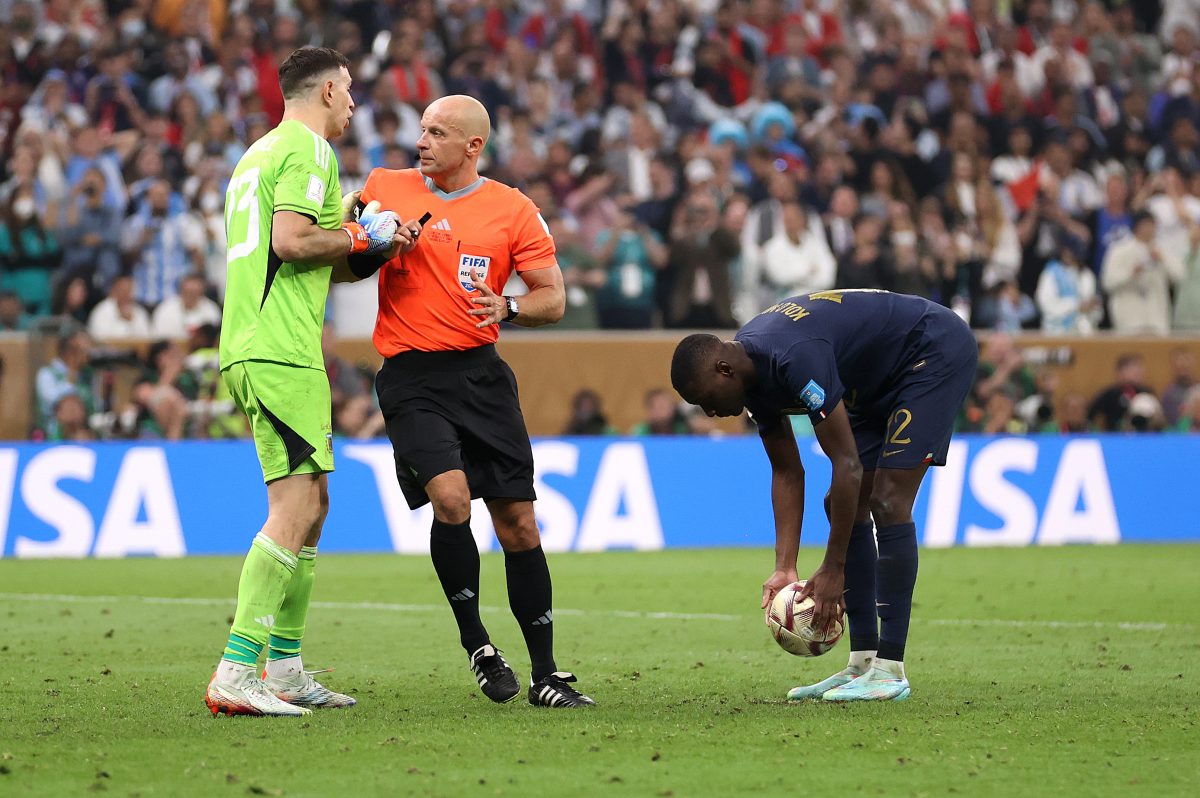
(289, 412)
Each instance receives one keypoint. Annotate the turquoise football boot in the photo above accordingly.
(815, 691)
(877, 684)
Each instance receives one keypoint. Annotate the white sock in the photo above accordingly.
(861, 660)
(893, 667)
(232, 672)
(284, 668)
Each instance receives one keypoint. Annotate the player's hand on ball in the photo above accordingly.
(826, 588)
(776, 582)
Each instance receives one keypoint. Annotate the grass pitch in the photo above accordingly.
(1035, 671)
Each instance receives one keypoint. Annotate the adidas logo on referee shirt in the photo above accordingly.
(439, 231)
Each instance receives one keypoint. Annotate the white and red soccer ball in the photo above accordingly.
(790, 620)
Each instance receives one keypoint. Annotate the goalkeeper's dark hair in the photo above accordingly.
(692, 356)
(299, 73)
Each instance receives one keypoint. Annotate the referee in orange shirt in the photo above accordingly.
(450, 402)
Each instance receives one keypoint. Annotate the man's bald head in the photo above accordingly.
(465, 113)
(455, 131)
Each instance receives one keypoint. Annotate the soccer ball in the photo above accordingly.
(789, 620)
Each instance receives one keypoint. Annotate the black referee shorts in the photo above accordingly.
(449, 411)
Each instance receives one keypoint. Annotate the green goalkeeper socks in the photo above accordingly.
(289, 622)
(266, 575)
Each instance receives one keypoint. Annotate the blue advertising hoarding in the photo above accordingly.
(173, 499)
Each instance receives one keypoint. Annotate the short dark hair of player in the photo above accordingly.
(300, 71)
(692, 357)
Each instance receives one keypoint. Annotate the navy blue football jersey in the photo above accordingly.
(815, 350)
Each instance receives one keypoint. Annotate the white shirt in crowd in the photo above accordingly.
(1172, 235)
(798, 267)
(106, 322)
(173, 321)
(1138, 286)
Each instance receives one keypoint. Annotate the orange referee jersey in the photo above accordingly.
(424, 295)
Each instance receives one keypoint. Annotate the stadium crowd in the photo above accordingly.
(1032, 164)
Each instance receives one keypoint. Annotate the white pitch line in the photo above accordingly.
(357, 605)
(1139, 626)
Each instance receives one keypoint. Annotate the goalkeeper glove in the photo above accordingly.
(374, 230)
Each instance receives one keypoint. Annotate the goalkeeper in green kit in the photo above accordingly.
(289, 233)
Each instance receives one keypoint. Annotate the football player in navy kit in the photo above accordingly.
(881, 376)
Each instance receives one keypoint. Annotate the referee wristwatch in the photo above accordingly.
(513, 309)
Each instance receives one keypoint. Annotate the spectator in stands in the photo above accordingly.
(1137, 275)
(13, 317)
(92, 232)
(1066, 293)
(181, 313)
(68, 373)
(999, 415)
(797, 259)
(1112, 220)
(161, 394)
(1001, 367)
(587, 415)
(1189, 412)
(1183, 379)
(915, 267)
(164, 245)
(582, 276)
(70, 420)
(839, 222)
(1109, 408)
(119, 315)
(699, 266)
(867, 265)
(591, 204)
(1175, 211)
(663, 416)
(1005, 309)
(631, 255)
(29, 253)
(1186, 316)
(1073, 416)
(73, 299)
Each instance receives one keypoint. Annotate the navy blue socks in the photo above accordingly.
(896, 575)
(860, 588)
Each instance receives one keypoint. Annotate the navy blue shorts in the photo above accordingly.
(913, 425)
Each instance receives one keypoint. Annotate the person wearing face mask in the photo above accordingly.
(91, 233)
(28, 252)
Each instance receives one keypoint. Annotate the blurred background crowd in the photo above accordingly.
(1032, 164)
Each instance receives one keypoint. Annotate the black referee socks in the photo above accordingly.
(529, 596)
(456, 560)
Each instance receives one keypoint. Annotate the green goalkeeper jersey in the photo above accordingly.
(274, 310)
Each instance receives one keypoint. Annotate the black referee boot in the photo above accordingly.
(496, 679)
(554, 691)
